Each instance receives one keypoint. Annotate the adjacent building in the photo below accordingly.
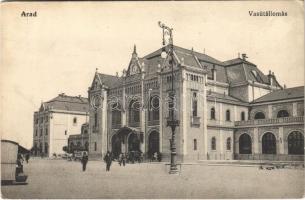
(79, 142)
(55, 121)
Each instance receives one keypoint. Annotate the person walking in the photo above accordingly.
(120, 159)
(124, 159)
(108, 160)
(84, 160)
(27, 157)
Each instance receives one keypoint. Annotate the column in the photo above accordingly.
(160, 111)
(104, 123)
(235, 114)
(220, 113)
(269, 111)
(183, 123)
(221, 144)
(255, 141)
(281, 141)
(294, 109)
(124, 107)
(143, 114)
(205, 121)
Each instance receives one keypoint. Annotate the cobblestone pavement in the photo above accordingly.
(64, 179)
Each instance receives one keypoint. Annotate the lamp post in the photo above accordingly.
(171, 121)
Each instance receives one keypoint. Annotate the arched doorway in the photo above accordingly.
(153, 143)
(296, 143)
(268, 143)
(245, 144)
(116, 145)
(133, 143)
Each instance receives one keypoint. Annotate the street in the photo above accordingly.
(65, 179)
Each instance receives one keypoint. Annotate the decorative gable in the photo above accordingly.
(134, 66)
(96, 83)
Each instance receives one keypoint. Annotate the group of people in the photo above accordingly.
(123, 158)
(156, 156)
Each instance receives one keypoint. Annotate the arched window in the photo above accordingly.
(213, 143)
(259, 115)
(194, 104)
(154, 108)
(116, 114)
(245, 144)
(282, 113)
(228, 115)
(268, 143)
(242, 116)
(229, 144)
(195, 144)
(212, 113)
(296, 143)
(134, 111)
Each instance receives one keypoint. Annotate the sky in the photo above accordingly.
(59, 50)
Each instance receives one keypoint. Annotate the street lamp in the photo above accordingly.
(171, 121)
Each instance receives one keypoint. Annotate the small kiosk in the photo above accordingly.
(9, 153)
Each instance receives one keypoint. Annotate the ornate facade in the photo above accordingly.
(227, 110)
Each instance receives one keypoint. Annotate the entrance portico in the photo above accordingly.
(125, 140)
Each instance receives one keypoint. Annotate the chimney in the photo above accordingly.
(244, 56)
(270, 77)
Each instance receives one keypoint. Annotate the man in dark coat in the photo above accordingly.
(108, 160)
(84, 160)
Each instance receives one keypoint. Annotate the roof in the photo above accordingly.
(68, 103)
(190, 58)
(239, 70)
(200, 56)
(110, 80)
(236, 61)
(224, 97)
(289, 93)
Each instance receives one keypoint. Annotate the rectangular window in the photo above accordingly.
(36, 132)
(194, 104)
(46, 131)
(65, 132)
(95, 146)
(40, 132)
(195, 144)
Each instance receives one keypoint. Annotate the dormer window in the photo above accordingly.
(256, 75)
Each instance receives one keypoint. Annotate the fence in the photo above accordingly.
(274, 157)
